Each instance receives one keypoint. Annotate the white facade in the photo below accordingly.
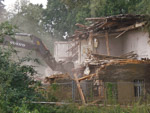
(137, 41)
(61, 48)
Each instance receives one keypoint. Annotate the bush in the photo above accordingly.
(16, 85)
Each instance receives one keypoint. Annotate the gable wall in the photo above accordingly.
(137, 41)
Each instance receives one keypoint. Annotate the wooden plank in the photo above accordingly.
(101, 26)
(137, 25)
(80, 89)
(100, 57)
(96, 18)
(102, 34)
(121, 34)
(96, 24)
(80, 25)
(87, 77)
(107, 43)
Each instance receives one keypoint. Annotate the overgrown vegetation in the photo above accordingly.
(16, 85)
(84, 109)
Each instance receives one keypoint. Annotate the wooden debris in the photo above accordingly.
(87, 77)
(95, 101)
(121, 34)
(134, 26)
(80, 25)
(98, 56)
(51, 79)
(118, 24)
(80, 89)
(130, 55)
(97, 18)
(105, 63)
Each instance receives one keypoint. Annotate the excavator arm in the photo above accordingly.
(37, 45)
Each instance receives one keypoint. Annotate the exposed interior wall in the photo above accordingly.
(83, 50)
(115, 45)
(137, 41)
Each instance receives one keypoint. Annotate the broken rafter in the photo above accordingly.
(80, 25)
(121, 34)
(118, 25)
(130, 55)
(96, 24)
(78, 32)
(87, 77)
(79, 89)
(103, 34)
(101, 26)
(98, 56)
(95, 19)
(137, 25)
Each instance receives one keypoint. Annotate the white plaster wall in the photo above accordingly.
(137, 41)
(83, 50)
(61, 50)
(115, 45)
(102, 46)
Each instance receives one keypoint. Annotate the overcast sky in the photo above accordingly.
(9, 3)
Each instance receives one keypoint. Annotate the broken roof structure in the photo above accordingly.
(112, 67)
(114, 25)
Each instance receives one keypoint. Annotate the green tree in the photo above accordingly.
(56, 18)
(28, 17)
(61, 16)
(143, 7)
(16, 84)
(2, 11)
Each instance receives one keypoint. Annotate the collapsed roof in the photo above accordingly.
(117, 68)
(114, 25)
(110, 68)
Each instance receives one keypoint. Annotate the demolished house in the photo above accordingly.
(115, 49)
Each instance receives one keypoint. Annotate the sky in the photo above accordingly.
(9, 3)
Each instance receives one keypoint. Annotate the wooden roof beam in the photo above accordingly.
(137, 25)
(96, 18)
(80, 25)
